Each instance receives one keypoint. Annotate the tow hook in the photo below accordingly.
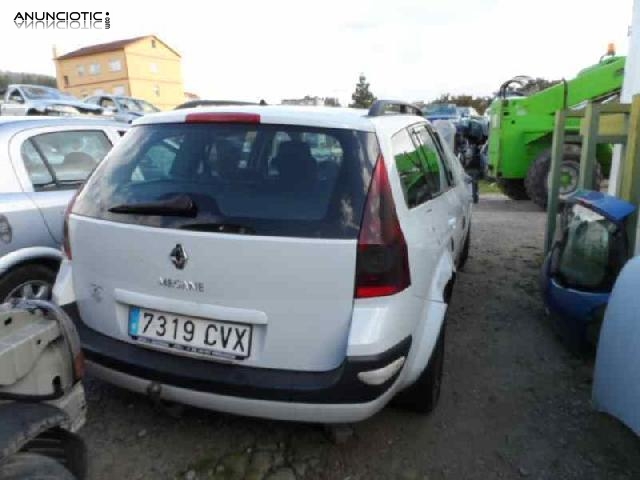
(154, 391)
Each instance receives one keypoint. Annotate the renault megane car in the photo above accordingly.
(285, 262)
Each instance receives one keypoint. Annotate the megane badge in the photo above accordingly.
(178, 257)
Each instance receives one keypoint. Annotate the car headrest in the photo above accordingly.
(79, 160)
(296, 166)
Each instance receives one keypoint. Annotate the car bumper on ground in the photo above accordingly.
(333, 396)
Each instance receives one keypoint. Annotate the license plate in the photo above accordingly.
(190, 334)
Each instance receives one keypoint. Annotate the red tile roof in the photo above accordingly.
(106, 47)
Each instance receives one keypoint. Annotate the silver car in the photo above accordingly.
(43, 160)
(123, 109)
(41, 100)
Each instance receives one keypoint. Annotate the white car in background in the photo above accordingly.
(213, 260)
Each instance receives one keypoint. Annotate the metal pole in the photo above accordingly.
(630, 183)
(557, 150)
(590, 128)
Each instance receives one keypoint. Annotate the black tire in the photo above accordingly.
(537, 181)
(464, 254)
(26, 273)
(423, 395)
(513, 188)
(32, 466)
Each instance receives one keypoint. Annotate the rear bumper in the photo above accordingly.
(330, 396)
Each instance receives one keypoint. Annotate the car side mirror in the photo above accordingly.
(16, 99)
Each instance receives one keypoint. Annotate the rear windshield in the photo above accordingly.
(277, 180)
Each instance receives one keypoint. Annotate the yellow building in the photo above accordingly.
(141, 67)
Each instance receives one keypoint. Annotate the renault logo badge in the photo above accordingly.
(178, 257)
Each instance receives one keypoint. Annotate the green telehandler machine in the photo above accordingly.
(521, 130)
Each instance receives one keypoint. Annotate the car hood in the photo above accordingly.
(90, 107)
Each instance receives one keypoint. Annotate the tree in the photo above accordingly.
(362, 97)
(8, 78)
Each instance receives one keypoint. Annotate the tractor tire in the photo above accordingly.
(423, 395)
(537, 180)
(31, 466)
(513, 188)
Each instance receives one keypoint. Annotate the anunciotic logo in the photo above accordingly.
(62, 20)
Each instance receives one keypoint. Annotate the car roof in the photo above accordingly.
(15, 85)
(323, 117)
(119, 96)
(18, 123)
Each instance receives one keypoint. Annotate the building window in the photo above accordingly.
(115, 65)
(80, 70)
(66, 80)
(156, 90)
(94, 69)
(154, 68)
(118, 90)
(153, 43)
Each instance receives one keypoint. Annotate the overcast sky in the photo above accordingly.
(408, 49)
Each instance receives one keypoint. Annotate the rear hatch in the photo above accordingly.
(234, 234)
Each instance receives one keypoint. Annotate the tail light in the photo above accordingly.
(66, 244)
(382, 264)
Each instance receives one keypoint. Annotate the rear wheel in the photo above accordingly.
(464, 254)
(537, 182)
(27, 281)
(513, 188)
(423, 395)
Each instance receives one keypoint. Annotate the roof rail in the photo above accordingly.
(380, 107)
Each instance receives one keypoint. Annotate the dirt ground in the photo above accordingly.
(514, 403)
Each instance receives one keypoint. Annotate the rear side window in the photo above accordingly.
(432, 160)
(277, 180)
(419, 166)
(63, 159)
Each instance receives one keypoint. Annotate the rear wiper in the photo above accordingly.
(45, 185)
(219, 228)
(176, 206)
(56, 183)
(70, 182)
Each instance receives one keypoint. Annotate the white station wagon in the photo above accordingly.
(293, 263)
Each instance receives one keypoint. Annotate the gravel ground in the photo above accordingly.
(514, 403)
